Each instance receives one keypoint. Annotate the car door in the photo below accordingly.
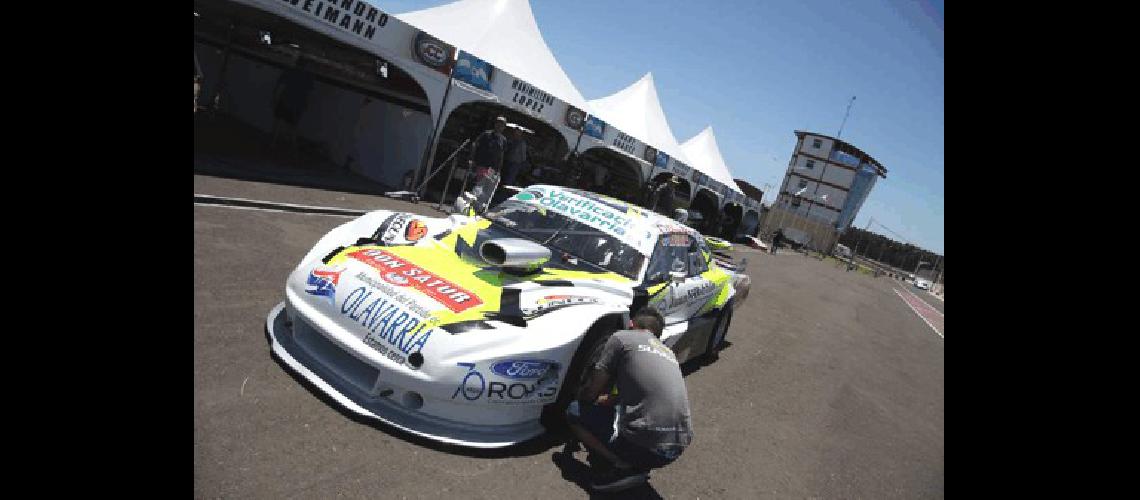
(678, 297)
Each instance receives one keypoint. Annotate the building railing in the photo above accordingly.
(845, 158)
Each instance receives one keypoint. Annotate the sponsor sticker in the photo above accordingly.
(474, 386)
(523, 368)
(322, 282)
(400, 272)
(390, 327)
(595, 214)
(529, 195)
(552, 302)
(416, 229)
(400, 228)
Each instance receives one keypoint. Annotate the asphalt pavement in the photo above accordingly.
(831, 387)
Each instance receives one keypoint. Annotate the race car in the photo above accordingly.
(474, 330)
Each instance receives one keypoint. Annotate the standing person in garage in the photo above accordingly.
(515, 156)
(488, 151)
(665, 196)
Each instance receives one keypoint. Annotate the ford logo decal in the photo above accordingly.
(523, 368)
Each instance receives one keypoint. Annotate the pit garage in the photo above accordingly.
(546, 147)
(356, 113)
(704, 212)
(682, 191)
(732, 221)
(750, 224)
(611, 172)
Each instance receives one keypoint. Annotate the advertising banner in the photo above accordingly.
(473, 71)
(595, 127)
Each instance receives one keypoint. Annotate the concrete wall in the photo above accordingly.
(823, 151)
(822, 235)
(838, 175)
(799, 166)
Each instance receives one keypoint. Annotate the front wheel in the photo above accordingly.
(554, 414)
(720, 332)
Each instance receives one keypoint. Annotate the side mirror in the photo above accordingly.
(677, 276)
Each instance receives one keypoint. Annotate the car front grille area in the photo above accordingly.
(335, 359)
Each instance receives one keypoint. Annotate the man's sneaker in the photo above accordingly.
(598, 464)
(619, 479)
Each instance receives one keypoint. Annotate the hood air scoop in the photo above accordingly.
(514, 254)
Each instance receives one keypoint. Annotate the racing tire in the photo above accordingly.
(719, 333)
(554, 414)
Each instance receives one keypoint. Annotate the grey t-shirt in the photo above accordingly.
(654, 405)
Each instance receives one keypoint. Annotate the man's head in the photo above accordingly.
(648, 318)
(500, 124)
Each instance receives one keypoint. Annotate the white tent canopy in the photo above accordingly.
(636, 111)
(705, 156)
(503, 33)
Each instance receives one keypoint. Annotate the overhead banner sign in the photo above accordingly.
(433, 52)
(521, 95)
(678, 168)
(624, 142)
(595, 127)
(355, 17)
(473, 71)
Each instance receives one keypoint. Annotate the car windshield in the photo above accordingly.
(574, 239)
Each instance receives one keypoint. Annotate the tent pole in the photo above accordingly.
(429, 149)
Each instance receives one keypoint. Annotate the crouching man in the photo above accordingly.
(647, 424)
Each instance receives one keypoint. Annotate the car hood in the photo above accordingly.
(440, 282)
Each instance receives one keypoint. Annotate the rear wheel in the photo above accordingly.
(720, 332)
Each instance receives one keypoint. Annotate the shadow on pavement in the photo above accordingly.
(694, 365)
(578, 473)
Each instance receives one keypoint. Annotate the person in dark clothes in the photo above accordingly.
(488, 151)
(650, 197)
(647, 425)
(665, 196)
(776, 238)
(515, 156)
(290, 100)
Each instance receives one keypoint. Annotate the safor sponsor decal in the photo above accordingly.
(415, 230)
(400, 272)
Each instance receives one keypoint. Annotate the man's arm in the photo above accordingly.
(599, 380)
(602, 368)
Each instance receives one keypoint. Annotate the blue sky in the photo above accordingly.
(757, 70)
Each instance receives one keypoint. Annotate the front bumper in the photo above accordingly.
(394, 409)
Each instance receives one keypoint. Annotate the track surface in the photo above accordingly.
(832, 387)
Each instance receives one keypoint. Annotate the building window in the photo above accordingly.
(816, 143)
(810, 164)
(796, 202)
(803, 183)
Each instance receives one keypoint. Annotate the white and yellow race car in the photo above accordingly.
(473, 330)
